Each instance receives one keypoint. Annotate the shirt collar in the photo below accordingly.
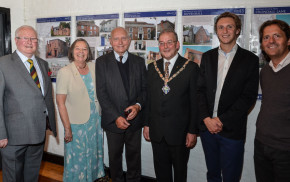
(172, 60)
(124, 59)
(282, 64)
(234, 50)
(24, 58)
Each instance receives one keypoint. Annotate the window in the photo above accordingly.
(5, 35)
(140, 29)
(130, 29)
(149, 30)
(149, 35)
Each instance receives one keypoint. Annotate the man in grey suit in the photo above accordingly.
(26, 108)
(121, 87)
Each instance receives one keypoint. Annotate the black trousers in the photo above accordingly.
(132, 142)
(271, 165)
(167, 156)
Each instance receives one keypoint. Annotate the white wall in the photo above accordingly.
(26, 12)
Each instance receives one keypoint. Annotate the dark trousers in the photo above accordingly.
(165, 156)
(21, 163)
(132, 142)
(271, 165)
(223, 156)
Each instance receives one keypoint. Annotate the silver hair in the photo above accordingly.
(23, 27)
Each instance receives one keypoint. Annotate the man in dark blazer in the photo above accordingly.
(121, 87)
(26, 109)
(227, 88)
(171, 109)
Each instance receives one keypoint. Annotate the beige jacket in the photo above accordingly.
(77, 102)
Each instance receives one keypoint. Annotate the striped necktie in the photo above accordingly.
(33, 73)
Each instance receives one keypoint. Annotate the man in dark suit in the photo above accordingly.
(121, 88)
(26, 108)
(227, 88)
(171, 109)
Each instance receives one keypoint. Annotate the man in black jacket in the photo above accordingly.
(171, 109)
(121, 87)
(227, 88)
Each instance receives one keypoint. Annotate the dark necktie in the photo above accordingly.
(167, 63)
(121, 57)
(33, 73)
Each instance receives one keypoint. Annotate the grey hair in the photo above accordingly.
(23, 27)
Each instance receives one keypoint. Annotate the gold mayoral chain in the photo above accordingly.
(166, 88)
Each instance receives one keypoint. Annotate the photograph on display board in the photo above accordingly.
(57, 47)
(63, 29)
(144, 29)
(141, 28)
(139, 45)
(54, 41)
(102, 50)
(96, 30)
(153, 54)
(259, 16)
(198, 31)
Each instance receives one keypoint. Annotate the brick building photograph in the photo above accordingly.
(56, 48)
(140, 30)
(87, 29)
(196, 35)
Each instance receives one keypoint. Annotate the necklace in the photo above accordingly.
(166, 88)
(82, 67)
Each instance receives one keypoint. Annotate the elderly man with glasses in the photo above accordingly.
(26, 108)
(171, 109)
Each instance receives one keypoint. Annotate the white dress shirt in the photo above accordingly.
(224, 63)
(282, 64)
(172, 62)
(124, 59)
(27, 65)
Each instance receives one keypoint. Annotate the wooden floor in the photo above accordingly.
(49, 172)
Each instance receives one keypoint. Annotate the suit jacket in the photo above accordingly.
(111, 92)
(174, 114)
(69, 82)
(22, 105)
(238, 94)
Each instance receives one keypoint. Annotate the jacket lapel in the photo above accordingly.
(233, 67)
(132, 71)
(21, 69)
(44, 77)
(213, 67)
(178, 64)
(77, 75)
(160, 66)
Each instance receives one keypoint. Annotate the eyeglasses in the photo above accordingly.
(169, 43)
(26, 39)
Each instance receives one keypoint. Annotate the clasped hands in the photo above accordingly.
(214, 125)
(122, 122)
